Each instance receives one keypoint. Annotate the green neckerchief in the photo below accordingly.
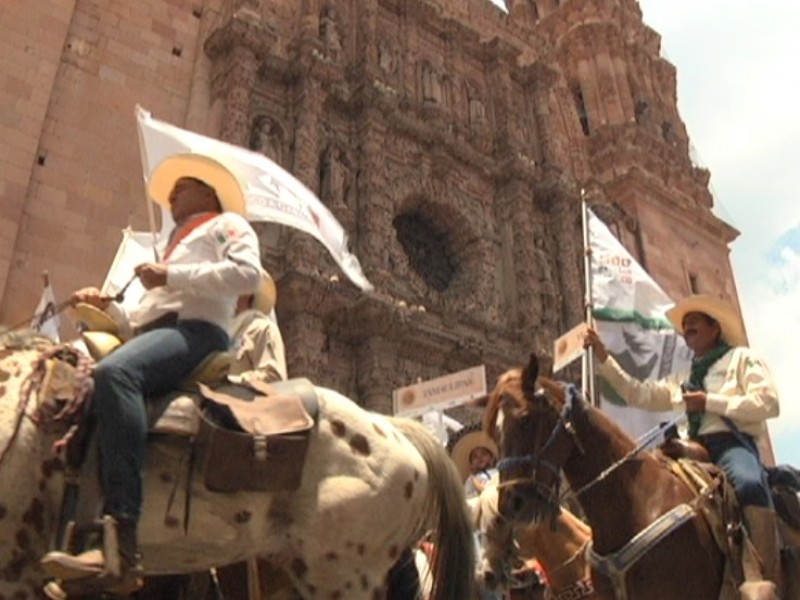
(697, 375)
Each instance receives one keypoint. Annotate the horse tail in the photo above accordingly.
(446, 513)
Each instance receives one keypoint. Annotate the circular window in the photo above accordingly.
(427, 249)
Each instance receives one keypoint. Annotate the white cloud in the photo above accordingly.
(738, 95)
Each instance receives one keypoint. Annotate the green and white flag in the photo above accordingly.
(629, 311)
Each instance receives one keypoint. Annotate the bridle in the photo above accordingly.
(564, 427)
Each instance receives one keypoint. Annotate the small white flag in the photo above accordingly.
(135, 248)
(46, 320)
(272, 194)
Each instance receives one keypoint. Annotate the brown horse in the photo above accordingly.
(558, 546)
(649, 541)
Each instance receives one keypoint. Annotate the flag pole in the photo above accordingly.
(151, 216)
(587, 362)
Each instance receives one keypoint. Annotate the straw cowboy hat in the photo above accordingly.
(721, 311)
(464, 442)
(266, 296)
(197, 166)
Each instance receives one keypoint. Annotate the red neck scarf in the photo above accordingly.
(186, 229)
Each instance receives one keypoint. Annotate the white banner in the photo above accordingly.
(629, 308)
(46, 320)
(272, 194)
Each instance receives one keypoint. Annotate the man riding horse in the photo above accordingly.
(211, 259)
(728, 394)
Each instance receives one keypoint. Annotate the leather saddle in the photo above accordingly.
(102, 335)
(236, 437)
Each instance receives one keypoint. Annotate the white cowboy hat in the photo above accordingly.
(464, 442)
(266, 296)
(197, 166)
(721, 311)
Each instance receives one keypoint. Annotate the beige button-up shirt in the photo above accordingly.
(738, 386)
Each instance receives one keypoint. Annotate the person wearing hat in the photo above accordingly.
(728, 394)
(255, 336)
(212, 257)
(475, 456)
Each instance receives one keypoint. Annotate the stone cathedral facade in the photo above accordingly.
(454, 141)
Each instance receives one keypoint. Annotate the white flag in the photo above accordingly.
(46, 320)
(135, 248)
(272, 194)
(629, 310)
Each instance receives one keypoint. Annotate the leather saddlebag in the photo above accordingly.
(258, 444)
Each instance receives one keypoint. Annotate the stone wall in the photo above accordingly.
(451, 139)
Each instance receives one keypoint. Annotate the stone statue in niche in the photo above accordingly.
(431, 85)
(329, 31)
(267, 137)
(335, 179)
(477, 111)
(387, 59)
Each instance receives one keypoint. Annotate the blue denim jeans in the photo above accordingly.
(740, 460)
(148, 366)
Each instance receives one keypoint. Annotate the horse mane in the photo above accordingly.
(508, 384)
(23, 339)
(520, 385)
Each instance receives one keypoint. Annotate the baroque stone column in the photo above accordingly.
(375, 359)
(566, 220)
(501, 58)
(303, 252)
(552, 145)
(237, 48)
(304, 338)
(515, 224)
(376, 202)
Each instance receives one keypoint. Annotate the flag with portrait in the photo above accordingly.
(629, 313)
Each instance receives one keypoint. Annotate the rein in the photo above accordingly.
(643, 443)
(62, 306)
(55, 310)
(534, 461)
(573, 558)
(39, 378)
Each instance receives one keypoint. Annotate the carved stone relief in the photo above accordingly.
(388, 58)
(330, 32)
(336, 178)
(475, 102)
(432, 86)
(266, 136)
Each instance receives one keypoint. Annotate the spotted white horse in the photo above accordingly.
(372, 485)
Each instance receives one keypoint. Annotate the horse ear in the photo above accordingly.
(529, 375)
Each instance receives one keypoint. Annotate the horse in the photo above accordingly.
(371, 486)
(559, 547)
(650, 540)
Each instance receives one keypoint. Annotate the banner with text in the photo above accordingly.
(629, 310)
(272, 194)
(440, 393)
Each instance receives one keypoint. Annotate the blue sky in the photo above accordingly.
(738, 90)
